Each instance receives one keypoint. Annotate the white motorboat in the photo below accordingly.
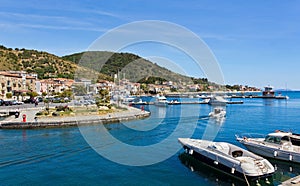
(228, 158)
(160, 101)
(278, 145)
(174, 102)
(138, 101)
(217, 101)
(218, 112)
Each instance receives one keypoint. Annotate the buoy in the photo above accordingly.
(267, 181)
(216, 163)
(192, 168)
(232, 170)
(191, 151)
(290, 157)
(275, 153)
(257, 183)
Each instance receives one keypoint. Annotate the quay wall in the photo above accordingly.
(62, 123)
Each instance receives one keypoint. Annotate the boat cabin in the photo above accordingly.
(283, 137)
(268, 92)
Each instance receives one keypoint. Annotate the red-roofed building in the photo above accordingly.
(16, 82)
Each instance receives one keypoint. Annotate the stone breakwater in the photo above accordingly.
(51, 122)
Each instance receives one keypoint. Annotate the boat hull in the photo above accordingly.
(272, 152)
(225, 167)
(222, 156)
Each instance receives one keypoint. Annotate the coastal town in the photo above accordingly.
(20, 85)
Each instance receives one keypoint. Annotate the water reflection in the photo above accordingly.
(215, 177)
(284, 170)
(268, 102)
(215, 122)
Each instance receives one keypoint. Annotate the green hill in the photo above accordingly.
(91, 65)
(46, 65)
(127, 65)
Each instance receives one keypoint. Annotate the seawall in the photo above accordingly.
(52, 123)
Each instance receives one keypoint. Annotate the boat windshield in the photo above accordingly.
(273, 139)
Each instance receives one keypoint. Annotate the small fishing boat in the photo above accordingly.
(278, 145)
(217, 101)
(160, 101)
(174, 102)
(218, 112)
(138, 101)
(228, 158)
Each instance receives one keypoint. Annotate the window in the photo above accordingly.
(295, 141)
(272, 139)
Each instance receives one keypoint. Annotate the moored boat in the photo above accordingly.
(217, 112)
(268, 92)
(278, 145)
(174, 102)
(228, 158)
(160, 101)
(217, 101)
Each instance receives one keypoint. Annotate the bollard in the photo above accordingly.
(24, 117)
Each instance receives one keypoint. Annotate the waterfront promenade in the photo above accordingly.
(11, 122)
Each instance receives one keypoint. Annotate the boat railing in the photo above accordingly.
(251, 135)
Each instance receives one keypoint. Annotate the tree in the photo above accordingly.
(79, 90)
(144, 87)
(66, 93)
(32, 94)
(103, 98)
(9, 95)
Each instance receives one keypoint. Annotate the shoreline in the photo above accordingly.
(68, 121)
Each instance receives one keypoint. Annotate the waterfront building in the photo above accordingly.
(16, 83)
(57, 85)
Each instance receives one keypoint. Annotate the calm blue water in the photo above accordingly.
(63, 157)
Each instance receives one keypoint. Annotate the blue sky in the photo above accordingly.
(256, 43)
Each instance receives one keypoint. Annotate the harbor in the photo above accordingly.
(32, 152)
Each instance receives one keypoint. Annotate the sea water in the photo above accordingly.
(64, 156)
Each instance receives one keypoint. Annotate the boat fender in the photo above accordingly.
(216, 163)
(191, 151)
(232, 170)
(257, 183)
(192, 168)
(275, 153)
(290, 157)
(267, 181)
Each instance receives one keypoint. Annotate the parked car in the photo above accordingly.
(30, 100)
(39, 99)
(15, 102)
(8, 102)
(1, 102)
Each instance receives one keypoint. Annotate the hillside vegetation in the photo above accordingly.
(46, 65)
(91, 65)
(126, 65)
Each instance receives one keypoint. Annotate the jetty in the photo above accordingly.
(186, 103)
(55, 121)
(291, 182)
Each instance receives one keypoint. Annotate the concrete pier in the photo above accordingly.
(52, 121)
(291, 182)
